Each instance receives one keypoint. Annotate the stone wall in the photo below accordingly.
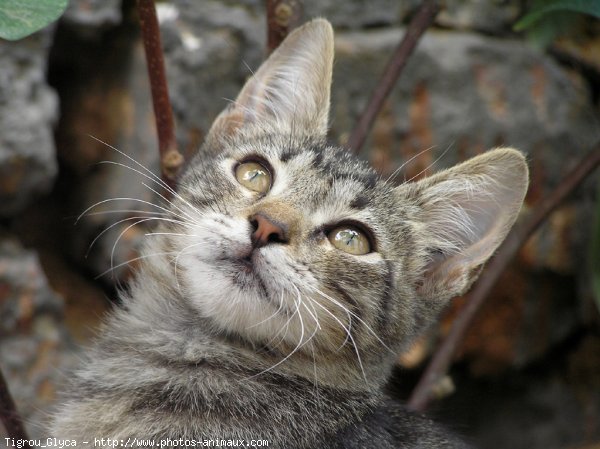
(471, 85)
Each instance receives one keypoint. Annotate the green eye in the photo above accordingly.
(253, 176)
(349, 239)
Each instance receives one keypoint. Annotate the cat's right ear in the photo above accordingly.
(464, 213)
(290, 91)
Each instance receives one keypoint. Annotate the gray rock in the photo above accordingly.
(123, 168)
(28, 112)
(93, 13)
(468, 93)
(211, 47)
(33, 339)
(489, 16)
(360, 14)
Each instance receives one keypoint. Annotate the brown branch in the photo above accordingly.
(441, 360)
(171, 159)
(282, 17)
(420, 22)
(9, 416)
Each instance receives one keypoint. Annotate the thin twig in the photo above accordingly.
(9, 416)
(282, 17)
(420, 22)
(171, 159)
(440, 361)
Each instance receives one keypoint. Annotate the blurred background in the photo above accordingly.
(527, 375)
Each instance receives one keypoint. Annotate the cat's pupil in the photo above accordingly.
(254, 176)
(350, 239)
(349, 235)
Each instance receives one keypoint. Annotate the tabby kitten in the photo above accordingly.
(273, 302)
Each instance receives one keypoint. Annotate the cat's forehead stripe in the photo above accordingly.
(335, 162)
(360, 202)
(340, 164)
(287, 154)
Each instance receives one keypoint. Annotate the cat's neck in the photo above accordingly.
(203, 380)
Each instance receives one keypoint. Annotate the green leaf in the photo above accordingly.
(553, 25)
(591, 7)
(20, 18)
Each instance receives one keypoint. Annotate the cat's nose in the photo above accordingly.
(267, 230)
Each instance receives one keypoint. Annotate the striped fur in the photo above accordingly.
(297, 349)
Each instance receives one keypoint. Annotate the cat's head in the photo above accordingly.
(285, 242)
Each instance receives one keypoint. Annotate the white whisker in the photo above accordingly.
(123, 221)
(143, 220)
(300, 344)
(187, 215)
(152, 175)
(395, 172)
(432, 164)
(135, 259)
(270, 316)
(313, 315)
(126, 211)
(177, 260)
(355, 316)
(354, 345)
(149, 174)
(169, 233)
(108, 200)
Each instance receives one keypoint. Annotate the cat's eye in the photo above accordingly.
(254, 176)
(350, 239)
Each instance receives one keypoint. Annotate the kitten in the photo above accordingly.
(274, 301)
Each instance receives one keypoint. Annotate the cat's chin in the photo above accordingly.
(241, 274)
(242, 269)
(231, 292)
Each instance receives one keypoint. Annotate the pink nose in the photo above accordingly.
(266, 231)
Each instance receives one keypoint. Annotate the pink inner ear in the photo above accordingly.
(231, 123)
(468, 245)
(290, 91)
(467, 212)
(447, 277)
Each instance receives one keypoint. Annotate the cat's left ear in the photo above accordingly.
(290, 91)
(463, 214)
